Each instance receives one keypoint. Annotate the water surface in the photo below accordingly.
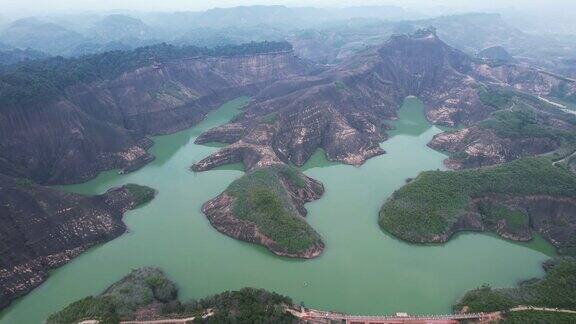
(363, 270)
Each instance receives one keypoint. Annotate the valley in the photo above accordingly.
(235, 156)
(373, 272)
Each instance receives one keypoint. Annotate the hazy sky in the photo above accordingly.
(34, 7)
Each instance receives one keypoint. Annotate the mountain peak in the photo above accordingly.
(425, 33)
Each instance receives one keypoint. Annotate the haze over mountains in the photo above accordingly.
(83, 93)
(325, 35)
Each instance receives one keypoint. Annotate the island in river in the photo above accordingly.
(372, 273)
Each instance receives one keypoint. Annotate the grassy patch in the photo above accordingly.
(429, 205)
(556, 290)
(262, 199)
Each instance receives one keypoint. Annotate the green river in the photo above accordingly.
(363, 270)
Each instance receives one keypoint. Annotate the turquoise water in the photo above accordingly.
(363, 270)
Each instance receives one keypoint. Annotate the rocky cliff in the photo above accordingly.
(524, 126)
(344, 109)
(43, 228)
(103, 124)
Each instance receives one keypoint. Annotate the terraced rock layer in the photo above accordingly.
(43, 228)
(344, 110)
(103, 125)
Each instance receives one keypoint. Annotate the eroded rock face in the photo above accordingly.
(43, 228)
(344, 110)
(222, 211)
(476, 147)
(100, 126)
(554, 218)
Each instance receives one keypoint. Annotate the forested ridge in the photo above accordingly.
(27, 82)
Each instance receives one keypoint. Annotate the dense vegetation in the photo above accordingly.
(248, 305)
(140, 194)
(533, 316)
(28, 82)
(262, 199)
(140, 288)
(556, 290)
(145, 286)
(496, 98)
(520, 124)
(430, 204)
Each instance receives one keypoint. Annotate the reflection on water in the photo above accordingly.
(362, 270)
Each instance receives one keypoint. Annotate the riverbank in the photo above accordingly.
(371, 272)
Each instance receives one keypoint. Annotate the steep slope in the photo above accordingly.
(97, 121)
(522, 126)
(43, 228)
(344, 110)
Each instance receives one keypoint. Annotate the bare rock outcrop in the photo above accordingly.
(103, 125)
(43, 228)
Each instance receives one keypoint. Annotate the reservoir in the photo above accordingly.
(362, 270)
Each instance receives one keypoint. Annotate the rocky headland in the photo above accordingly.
(42, 228)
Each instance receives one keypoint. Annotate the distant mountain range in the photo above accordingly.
(319, 34)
